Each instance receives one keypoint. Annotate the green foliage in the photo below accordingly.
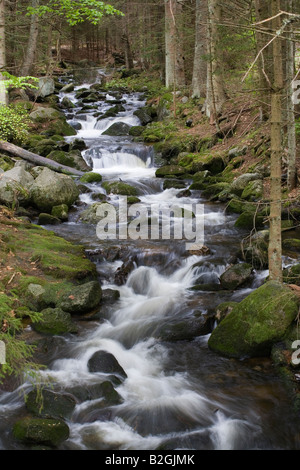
(75, 11)
(18, 82)
(14, 123)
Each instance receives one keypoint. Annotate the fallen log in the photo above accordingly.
(37, 159)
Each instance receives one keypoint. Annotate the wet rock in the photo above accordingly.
(50, 432)
(110, 296)
(144, 115)
(69, 88)
(118, 129)
(256, 323)
(49, 404)
(91, 177)
(183, 194)
(82, 299)
(123, 272)
(186, 330)
(176, 184)
(119, 188)
(66, 103)
(236, 276)
(103, 361)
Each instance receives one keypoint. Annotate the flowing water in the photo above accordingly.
(177, 394)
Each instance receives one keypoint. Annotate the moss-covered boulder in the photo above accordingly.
(51, 432)
(291, 244)
(82, 299)
(256, 323)
(235, 276)
(55, 321)
(91, 177)
(291, 275)
(47, 219)
(241, 182)
(253, 191)
(15, 187)
(170, 171)
(119, 188)
(49, 404)
(52, 189)
(249, 220)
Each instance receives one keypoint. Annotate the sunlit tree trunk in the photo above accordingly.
(275, 241)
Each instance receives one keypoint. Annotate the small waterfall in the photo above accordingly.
(120, 157)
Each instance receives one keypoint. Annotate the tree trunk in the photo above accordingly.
(175, 75)
(37, 159)
(216, 95)
(275, 241)
(199, 79)
(3, 94)
(32, 43)
(290, 108)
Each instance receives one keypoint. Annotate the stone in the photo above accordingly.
(119, 188)
(50, 432)
(49, 404)
(241, 182)
(256, 323)
(47, 219)
(60, 212)
(46, 87)
(105, 362)
(235, 276)
(170, 170)
(42, 114)
(67, 103)
(69, 88)
(52, 189)
(82, 299)
(15, 186)
(55, 321)
(91, 177)
(117, 129)
(253, 191)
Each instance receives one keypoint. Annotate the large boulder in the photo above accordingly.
(52, 189)
(257, 323)
(15, 186)
(42, 114)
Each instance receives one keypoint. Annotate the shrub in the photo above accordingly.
(14, 123)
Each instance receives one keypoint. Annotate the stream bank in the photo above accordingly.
(167, 389)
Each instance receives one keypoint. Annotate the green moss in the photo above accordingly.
(256, 323)
(91, 178)
(62, 157)
(120, 188)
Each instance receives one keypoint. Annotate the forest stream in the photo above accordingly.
(175, 394)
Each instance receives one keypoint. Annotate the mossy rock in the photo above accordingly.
(48, 219)
(256, 323)
(62, 157)
(170, 170)
(82, 298)
(61, 212)
(91, 177)
(255, 250)
(55, 322)
(291, 244)
(253, 191)
(119, 188)
(6, 163)
(136, 131)
(249, 220)
(49, 404)
(224, 309)
(173, 184)
(291, 275)
(50, 432)
(133, 200)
